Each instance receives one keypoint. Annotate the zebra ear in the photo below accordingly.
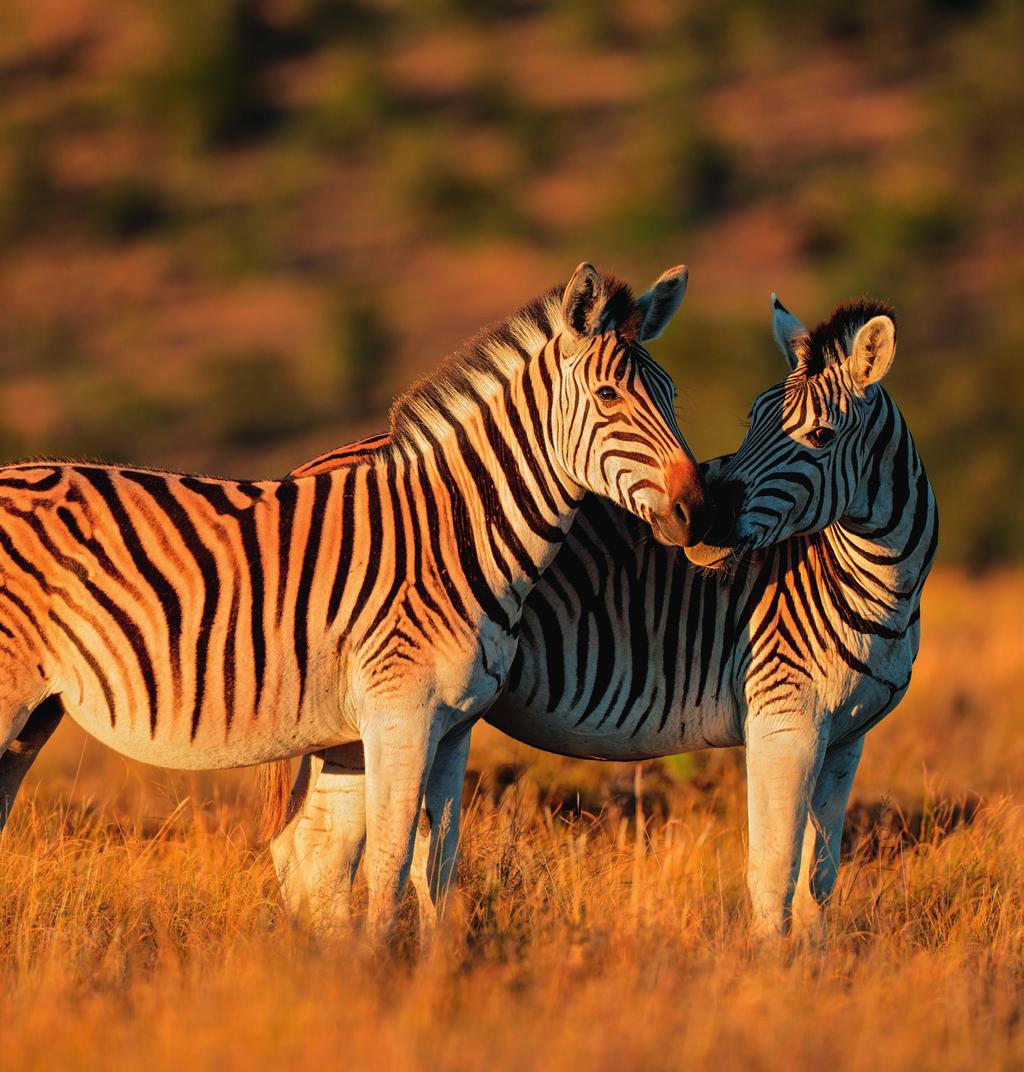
(660, 303)
(583, 301)
(874, 347)
(792, 337)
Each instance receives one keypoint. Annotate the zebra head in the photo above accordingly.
(613, 425)
(805, 454)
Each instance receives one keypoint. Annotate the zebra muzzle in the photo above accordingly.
(685, 518)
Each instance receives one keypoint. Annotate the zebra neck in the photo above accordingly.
(501, 504)
(887, 539)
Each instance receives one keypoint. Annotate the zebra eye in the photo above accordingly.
(607, 394)
(819, 437)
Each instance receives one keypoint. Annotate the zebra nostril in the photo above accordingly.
(681, 514)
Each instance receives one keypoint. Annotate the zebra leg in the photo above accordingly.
(783, 759)
(317, 854)
(419, 876)
(823, 837)
(399, 755)
(442, 814)
(22, 751)
(283, 849)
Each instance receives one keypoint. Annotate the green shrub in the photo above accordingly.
(592, 23)
(250, 398)
(687, 177)
(127, 208)
(449, 197)
(362, 352)
(354, 106)
(208, 81)
(28, 191)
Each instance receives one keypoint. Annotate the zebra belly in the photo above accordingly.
(178, 752)
(215, 746)
(617, 732)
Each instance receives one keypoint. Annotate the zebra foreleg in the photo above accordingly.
(822, 839)
(783, 760)
(399, 756)
(317, 854)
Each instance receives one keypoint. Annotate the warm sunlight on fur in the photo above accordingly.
(140, 923)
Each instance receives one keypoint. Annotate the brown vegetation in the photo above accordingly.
(204, 206)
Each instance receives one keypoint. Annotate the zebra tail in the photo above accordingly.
(274, 804)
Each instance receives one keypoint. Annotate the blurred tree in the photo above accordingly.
(250, 397)
(363, 351)
(208, 81)
(180, 180)
(28, 189)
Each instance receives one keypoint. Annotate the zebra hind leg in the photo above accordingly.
(317, 853)
(419, 877)
(22, 749)
(316, 856)
(822, 840)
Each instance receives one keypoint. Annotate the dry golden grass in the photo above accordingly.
(141, 926)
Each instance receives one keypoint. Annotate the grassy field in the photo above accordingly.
(592, 928)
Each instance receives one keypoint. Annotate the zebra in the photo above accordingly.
(201, 624)
(792, 629)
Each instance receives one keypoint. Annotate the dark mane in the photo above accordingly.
(831, 340)
(486, 361)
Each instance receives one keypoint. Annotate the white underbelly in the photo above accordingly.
(212, 748)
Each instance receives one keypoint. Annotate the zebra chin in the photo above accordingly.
(707, 556)
(710, 556)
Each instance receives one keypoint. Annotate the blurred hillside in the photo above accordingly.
(231, 230)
